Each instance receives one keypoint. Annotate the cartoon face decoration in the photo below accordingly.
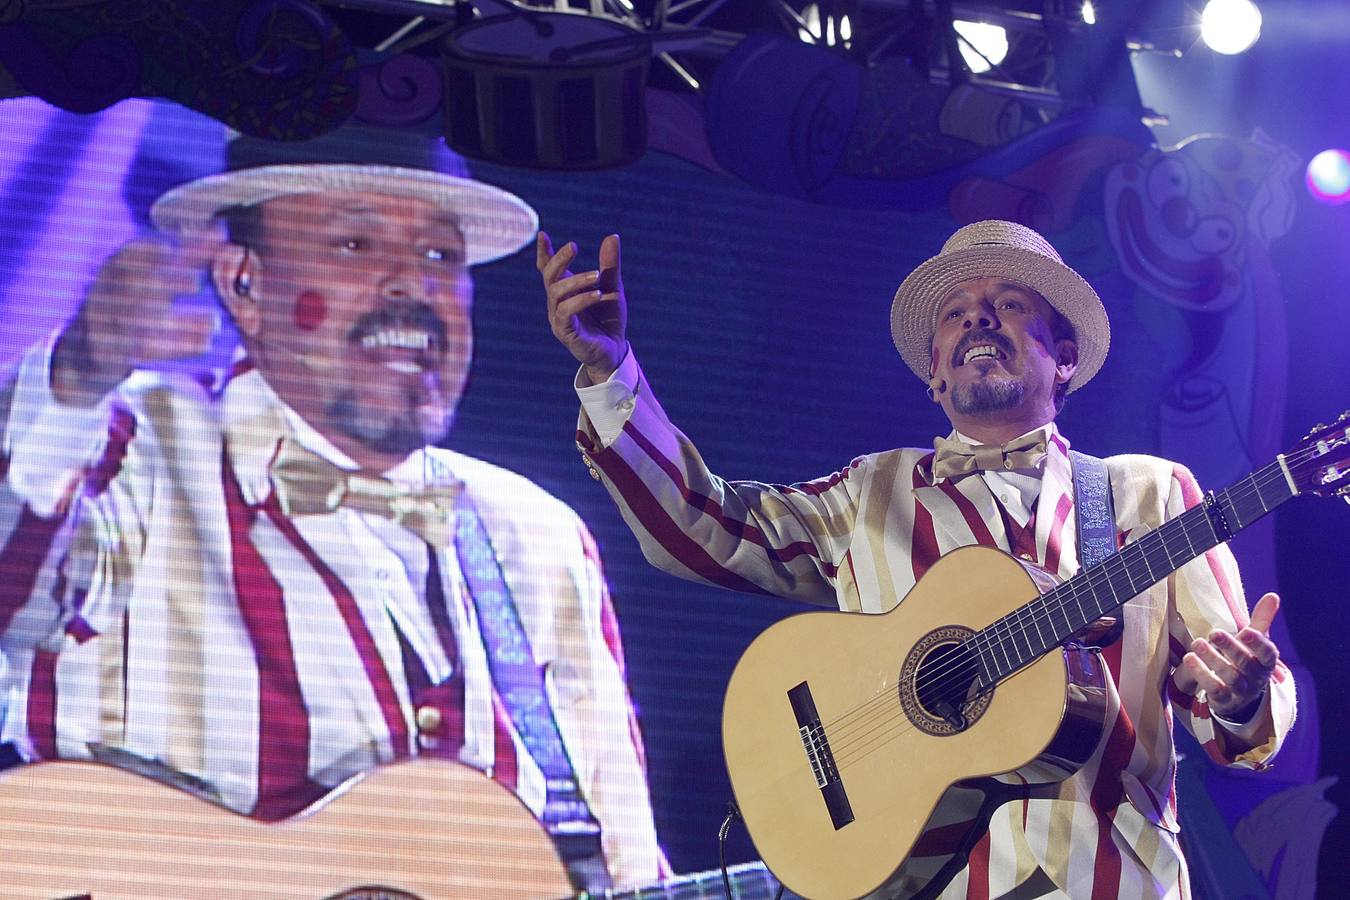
(1182, 219)
(1178, 235)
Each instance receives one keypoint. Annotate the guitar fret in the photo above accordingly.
(1256, 487)
(1208, 536)
(1062, 629)
(1035, 628)
(987, 662)
(1082, 613)
(1095, 609)
(1007, 662)
(1040, 638)
(1000, 635)
(1186, 533)
(988, 657)
(1136, 581)
(1167, 551)
(1156, 544)
(1030, 654)
(1100, 600)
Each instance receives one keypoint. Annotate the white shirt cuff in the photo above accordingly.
(610, 404)
(1246, 732)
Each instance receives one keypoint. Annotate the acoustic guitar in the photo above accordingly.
(860, 746)
(419, 830)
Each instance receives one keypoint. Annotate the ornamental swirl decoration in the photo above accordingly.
(278, 69)
(401, 91)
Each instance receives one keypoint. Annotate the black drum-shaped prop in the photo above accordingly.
(548, 90)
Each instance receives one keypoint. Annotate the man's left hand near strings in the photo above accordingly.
(1233, 670)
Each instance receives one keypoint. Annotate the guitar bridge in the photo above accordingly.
(817, 746)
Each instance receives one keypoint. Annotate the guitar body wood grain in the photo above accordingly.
(426, 828)
(895, 758)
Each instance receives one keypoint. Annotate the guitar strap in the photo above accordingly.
(1096, 514)
(520, 684)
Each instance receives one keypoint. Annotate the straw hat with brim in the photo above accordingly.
(356, 157)
(1001, 250)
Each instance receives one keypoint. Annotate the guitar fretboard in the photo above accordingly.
(749, 881)
(1031, 631)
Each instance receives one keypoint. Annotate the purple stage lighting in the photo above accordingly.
(1329, 176)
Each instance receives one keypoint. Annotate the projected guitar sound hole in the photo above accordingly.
(939, 683)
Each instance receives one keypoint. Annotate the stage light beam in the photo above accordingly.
(1328, 177)
(1089, 13)
(983, 46)
(1230, 26)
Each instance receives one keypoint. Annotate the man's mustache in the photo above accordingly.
(411, 316)
(975, 338)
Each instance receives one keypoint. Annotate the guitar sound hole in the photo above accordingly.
(941, 687)
(946, 682)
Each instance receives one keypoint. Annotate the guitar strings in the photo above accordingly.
(997, 630)
(941, 679)
(1244, 491)
(946, 674)
(874, 732)
(1099, 573)
(877, 732)
(1251, 487)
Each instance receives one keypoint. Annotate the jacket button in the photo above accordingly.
(429, 720)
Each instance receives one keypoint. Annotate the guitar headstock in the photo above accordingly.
(1320, 463)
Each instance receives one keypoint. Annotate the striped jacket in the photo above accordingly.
(860, 538)
(155, 601)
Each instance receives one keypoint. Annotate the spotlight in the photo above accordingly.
(815, 28)
(1230, 26)
(983, 46)
(1329, 177)
(810, 31)
(1089, 13)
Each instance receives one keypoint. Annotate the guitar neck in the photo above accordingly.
(749, 881)
(1033, 630)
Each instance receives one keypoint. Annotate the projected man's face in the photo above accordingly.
(357, 312)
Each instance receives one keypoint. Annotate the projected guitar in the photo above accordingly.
(845, 734)
(420, 830)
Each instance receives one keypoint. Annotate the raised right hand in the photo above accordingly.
(587, 312)
(128, 317)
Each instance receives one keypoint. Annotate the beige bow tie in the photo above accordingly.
(953, 457)
(306, 484)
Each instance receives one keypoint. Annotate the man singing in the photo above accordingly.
(1001, 330)
(260, 589)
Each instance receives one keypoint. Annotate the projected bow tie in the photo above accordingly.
(952, 458)
(306, 484)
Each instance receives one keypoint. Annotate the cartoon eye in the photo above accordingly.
(1167, 179)
(1213, 234)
